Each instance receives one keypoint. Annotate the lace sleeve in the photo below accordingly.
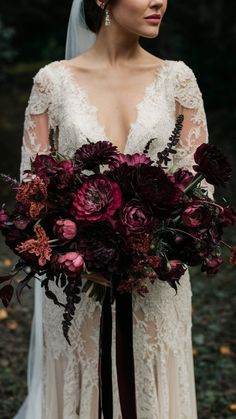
(188, 99)
(40, 116)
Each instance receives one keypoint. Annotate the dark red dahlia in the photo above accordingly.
(212, 164)
(132, 159)
(89, 156)
(97, 199)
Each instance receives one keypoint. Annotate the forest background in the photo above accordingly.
(202, 34)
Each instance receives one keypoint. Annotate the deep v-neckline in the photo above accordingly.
(83, 91)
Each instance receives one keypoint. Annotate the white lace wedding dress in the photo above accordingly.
(63, 380)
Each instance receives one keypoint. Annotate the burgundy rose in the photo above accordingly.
(92, 155)
(44, 165)
(71, 263)
(157, 187)
(3, 218)
(97, 199)
(227, 216)
(196, 215)
(136, 217)
(172, 271)
(64, 175)
(65, 229)
(132, 159)
(212, 266)
(183, 178)
(212, 164)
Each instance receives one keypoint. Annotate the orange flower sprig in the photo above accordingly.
(39, 247)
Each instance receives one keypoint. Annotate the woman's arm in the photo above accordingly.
(40, 116)
(189, 102)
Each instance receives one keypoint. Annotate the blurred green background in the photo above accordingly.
(203, 35)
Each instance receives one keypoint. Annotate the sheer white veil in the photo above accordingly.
(79, 36)
(79, 39)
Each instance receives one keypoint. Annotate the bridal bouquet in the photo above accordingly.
(103, 219)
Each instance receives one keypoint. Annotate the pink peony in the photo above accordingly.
(96, 200)
(71, 262)
(65, 229)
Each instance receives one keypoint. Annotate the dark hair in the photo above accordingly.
(94, 14)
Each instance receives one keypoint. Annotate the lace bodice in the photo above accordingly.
(162, 320)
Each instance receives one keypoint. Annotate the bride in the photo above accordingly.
(110, 88)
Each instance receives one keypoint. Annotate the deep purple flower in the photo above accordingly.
(103, 249)
(212, 164)
(136, 217)
(97, 199)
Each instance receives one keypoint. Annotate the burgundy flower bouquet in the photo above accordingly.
(106, 223)
(115, 220)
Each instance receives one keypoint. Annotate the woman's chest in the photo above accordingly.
(127, 124)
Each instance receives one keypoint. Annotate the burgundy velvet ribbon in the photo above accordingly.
(124, 358)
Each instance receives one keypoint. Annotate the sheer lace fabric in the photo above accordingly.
(164, 372)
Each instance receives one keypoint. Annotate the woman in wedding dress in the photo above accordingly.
(110, 88)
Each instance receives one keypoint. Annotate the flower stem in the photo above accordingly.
(226, 245)
(194, 183)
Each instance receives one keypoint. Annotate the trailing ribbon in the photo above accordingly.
(124, 357)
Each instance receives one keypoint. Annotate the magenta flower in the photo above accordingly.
(71, 263)
(97, 199)
(65, 229)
